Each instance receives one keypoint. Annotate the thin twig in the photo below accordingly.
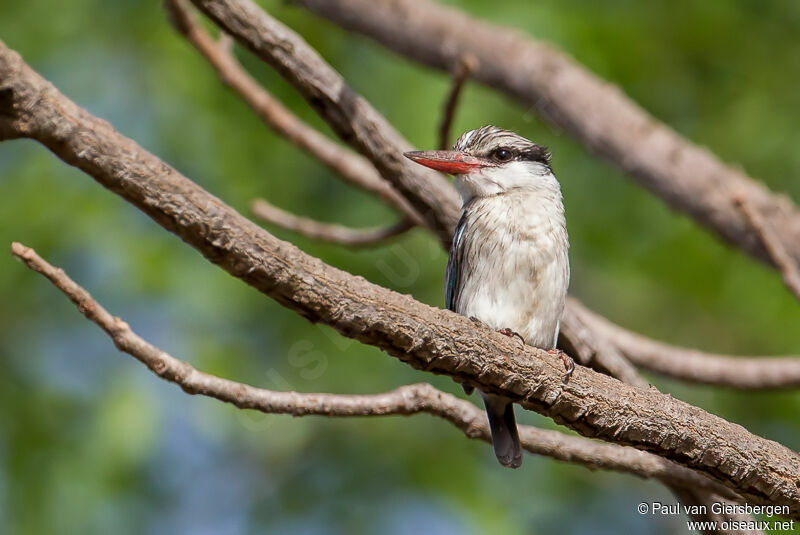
(405, 400)
(328, 232)
(348, 113)
(350, 166)
(777, 252)
(464, 68)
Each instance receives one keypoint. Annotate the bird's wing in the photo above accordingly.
(453, 280)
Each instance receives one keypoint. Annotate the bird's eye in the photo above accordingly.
(502, 155)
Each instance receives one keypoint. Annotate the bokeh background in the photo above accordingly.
(91, 442)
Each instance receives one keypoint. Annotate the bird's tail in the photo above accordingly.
(503, 426)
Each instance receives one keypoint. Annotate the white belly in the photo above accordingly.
(516, 269)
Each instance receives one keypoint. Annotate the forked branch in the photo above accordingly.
(350, 166)
(748, 373)
(431, 339)
(598, 114)
(787, 265)
(305, 69)
(405, 400)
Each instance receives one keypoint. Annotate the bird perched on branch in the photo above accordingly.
(509, 265)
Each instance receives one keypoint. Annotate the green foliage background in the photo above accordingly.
(90, 442)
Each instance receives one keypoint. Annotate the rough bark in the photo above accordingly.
(601, 356)
(435, 340)
(749, 373)
(690, 178)
(300, 65)
(405, 400)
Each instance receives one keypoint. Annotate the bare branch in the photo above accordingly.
(352, 167)
(303, 67)
(691, 364)
(306, 70)
(576, 338)
(777, 252)
(443, 208)
(327, 232)
(430, 339)
(349, 114)
(464, 68)
(405, 400)
(690, 178)
(579, 338)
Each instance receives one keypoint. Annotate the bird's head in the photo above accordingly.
(489, 161)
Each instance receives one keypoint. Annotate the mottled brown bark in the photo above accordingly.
(427, 338)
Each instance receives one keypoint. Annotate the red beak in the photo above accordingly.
(446, 161)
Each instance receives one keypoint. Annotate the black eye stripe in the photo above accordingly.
(479, 141)
(537, 154)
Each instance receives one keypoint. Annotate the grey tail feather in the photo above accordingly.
(505, 437)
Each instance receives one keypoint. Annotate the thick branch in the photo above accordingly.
(350, 116)
(691, 364)
(406, 400)
(351, 167)
(300, 65)
(690, 178)
(431, 339)
(328, 232)
(303, 67)
(577, 339)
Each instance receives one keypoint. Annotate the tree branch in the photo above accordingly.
(405, 400)
(780, 257)
(691, 364)
(430, 339)
(464, 68)
(350, 166)
(300, 65)
(303, 67)
(327, 232)
(690, 178)
(579, 340)
(350, 116)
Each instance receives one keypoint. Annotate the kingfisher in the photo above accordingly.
(509, 262)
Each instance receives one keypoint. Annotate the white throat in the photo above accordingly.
(489, 181)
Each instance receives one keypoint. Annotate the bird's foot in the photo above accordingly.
(569, 363)
(508, 332)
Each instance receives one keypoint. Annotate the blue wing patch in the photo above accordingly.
(452, 280)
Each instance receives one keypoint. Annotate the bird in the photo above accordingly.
(508, 265)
